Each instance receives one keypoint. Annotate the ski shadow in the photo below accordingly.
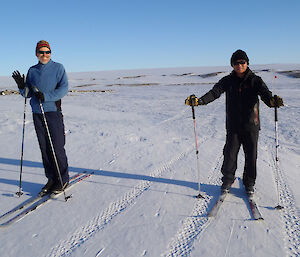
(32, 188)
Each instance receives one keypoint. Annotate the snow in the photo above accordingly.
(135, 133)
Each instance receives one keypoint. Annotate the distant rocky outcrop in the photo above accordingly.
(291, 73)
(15, 92)
(206, 75)
(89, 91)
(132, 77)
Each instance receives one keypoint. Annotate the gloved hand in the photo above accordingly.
(192, 99)
(39, 95)
(276, 101)
(19, 79)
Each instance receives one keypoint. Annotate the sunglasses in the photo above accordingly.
(239, 62)
(44, 52)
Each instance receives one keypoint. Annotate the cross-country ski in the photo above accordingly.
(31, 200)
(254, 209)
(213, 212)
(250, 198)
(38, 202)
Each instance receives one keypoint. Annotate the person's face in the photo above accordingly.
(240, 66)
(44, 55)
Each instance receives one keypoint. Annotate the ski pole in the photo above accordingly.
(196, 144)
(52, 147)
(19, 193)
(278, 207)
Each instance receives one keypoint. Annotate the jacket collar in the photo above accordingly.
(40, 65)
(248, 73)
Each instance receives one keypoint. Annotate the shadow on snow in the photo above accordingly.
(211, 190)
(32, 188)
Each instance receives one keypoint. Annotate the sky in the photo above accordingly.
(94, 35)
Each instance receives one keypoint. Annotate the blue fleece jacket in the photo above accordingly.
(51, 79)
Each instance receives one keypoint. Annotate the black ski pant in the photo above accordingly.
(234, 140)
(57, 132)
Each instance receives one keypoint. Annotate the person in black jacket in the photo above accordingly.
(242, 88)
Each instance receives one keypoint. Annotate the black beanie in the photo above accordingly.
(239, 55)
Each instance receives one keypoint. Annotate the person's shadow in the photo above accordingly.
(32, 188)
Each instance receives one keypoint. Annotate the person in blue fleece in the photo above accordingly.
(47, 83)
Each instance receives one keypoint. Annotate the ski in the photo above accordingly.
(31, 201)
(213, 212)
(44, 199)
(254, 209)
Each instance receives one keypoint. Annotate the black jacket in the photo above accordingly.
(242, 103)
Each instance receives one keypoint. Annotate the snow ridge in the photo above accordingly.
(290, 212)
(181, 244)
(82, 234)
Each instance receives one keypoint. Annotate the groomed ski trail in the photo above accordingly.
(181, 244)
(66, 247)
(290, 212)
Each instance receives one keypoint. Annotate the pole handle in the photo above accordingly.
(193, 105)
(193, 111)
(35, 89)
(26, 93)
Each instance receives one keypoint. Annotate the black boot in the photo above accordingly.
(226, 186)
(249, 189)
(48, 187)
(57, 188)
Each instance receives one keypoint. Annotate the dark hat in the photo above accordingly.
(42, 43)
(239, 55)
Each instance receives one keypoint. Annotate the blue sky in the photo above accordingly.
(108, 35)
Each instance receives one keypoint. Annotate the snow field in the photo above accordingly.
(139, 141)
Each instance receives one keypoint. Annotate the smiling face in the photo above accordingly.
(240, 66)
(44, 55)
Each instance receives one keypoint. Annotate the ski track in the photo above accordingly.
(182, 243)
(81, 235)
(175, 117)
(230, 237)
(290, 212)
(66, 247)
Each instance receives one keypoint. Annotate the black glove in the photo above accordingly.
(193, 99)
(20, 79)
(39, 95)
(276, 101)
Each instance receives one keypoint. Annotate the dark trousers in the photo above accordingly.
(248, 139)
(57, 132)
